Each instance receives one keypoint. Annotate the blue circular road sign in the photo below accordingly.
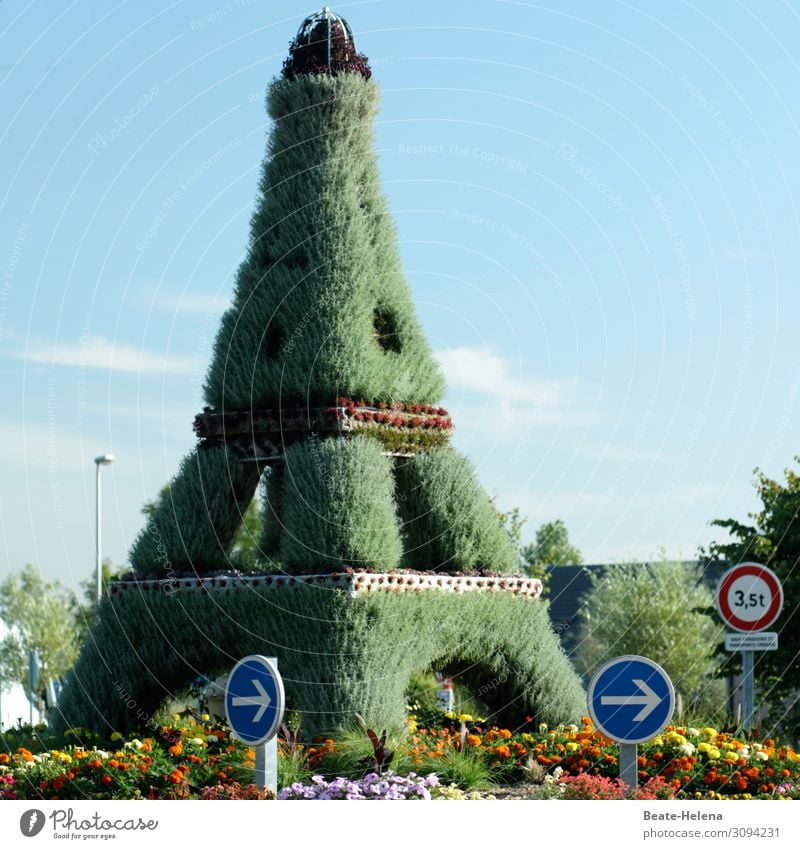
(631, 699)
(254, 700)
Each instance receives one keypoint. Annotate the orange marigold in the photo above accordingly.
(106, 779)
(503, 752)
(473, 740)
(176, 750)
(504, 733)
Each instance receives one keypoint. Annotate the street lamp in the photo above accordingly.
(102, 460)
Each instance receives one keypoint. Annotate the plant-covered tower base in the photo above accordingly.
(323, 387)
(346, 645)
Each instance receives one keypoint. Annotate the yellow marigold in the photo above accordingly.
(710, 733)
(673, 738)
(571, 746)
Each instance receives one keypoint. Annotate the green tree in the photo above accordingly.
(39, 615)
(658, 610)
(552, 548)
(773, 539)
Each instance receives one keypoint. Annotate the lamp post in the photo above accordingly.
(102, 460)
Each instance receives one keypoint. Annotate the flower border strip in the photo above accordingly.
(356, 583)
(403, 428)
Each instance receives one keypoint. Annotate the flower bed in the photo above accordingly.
(191, 760)
(178, 763)
(696, 763)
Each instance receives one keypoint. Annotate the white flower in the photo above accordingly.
(762, 756)
(212, 738)
(134, 744)
(744, 753)
(197, 741)
(37, 759)
(101, 754)
(686, 748)
(692, 732)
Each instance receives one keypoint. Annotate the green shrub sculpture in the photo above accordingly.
(339, 656)
(323, 383)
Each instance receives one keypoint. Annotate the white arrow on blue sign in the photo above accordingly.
(254, 700)
(631, 699)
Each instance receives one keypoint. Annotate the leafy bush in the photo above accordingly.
(658, 610)
(773, 538)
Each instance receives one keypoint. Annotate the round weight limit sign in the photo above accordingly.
(749, 597)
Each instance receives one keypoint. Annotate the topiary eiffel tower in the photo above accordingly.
(323, 315)
(323, 383)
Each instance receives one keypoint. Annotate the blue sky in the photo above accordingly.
(595, 209)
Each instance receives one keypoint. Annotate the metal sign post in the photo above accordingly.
(254, 683)
(749, 598)
(631, 699)
(628, 766)
(748, 690)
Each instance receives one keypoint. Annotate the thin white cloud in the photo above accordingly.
(101, 353)
(188, 302)
(619, 454)
(480, 369)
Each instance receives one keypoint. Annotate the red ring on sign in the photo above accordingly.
(757, 571)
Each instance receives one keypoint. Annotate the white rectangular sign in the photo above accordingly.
(759, 641)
